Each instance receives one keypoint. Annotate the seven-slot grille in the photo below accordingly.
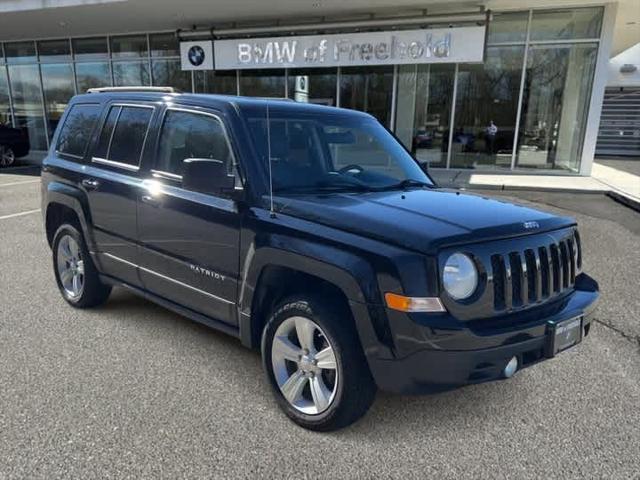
(536, 273)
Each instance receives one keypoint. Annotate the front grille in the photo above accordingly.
(535, 274)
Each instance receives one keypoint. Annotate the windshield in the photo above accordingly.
(321, 151)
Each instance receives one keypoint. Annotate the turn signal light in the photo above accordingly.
(413, 304)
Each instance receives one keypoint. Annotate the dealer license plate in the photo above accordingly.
(563, 335)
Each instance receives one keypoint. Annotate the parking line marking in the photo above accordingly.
(23, 182)
(19, 214)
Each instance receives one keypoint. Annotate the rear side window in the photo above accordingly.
(76, 131)
(191, 135)
(123, 135)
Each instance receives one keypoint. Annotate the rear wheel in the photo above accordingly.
(315, 364)
(76, 275)
(7, 156)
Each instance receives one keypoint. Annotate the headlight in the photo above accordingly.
(460, 277)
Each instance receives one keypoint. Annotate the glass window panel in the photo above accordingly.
(129, 135)
(424, 111)
(126, 74)
(189, 135)
(5, 106)
(20, 52)
(508, 27)
(76, 132)
(317, 150)
(27, 103)
(90, 48)
(566, 24)
(222, 82)
(57, 80)
(320, 84)
(1, 54)
(555, 105)
(164, 45)
(262, 83)
(54, 51)
(168, 73)
(102, 149)
(486, 109)
(368, 89)
(92, 75)
(129, 46)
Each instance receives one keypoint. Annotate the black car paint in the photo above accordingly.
(364, 244)
(16, 139)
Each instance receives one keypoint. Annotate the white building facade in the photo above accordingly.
(499, 86)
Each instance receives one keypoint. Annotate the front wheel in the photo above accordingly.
(315, 364)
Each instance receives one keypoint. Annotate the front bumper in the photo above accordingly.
(437, 354)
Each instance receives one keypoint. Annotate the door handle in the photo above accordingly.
(90, 183)
(150, 200)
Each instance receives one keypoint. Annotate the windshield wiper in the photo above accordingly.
(325, 187)
(406, 183)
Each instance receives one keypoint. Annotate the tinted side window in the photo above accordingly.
(129, 135)
(123, 134)
(76, 131)
(102, 150)
(191, 135)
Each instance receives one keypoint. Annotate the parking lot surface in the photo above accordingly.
(131, 390)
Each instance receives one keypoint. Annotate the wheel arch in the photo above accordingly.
(272, 274)
(66, 203)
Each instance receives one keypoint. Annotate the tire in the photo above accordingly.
(321, 398)
(7, 156)
(71, 257)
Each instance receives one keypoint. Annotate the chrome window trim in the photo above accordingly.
(112, 163)
(164, 277)
(167, 175)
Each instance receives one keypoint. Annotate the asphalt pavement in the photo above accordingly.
(131, 390)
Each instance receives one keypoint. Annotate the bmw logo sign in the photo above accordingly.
(196, 55)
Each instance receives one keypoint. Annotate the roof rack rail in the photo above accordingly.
(282, 99)
(133, 89)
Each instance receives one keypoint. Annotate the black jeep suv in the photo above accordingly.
(309, 233)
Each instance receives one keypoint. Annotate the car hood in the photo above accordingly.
(424, 220)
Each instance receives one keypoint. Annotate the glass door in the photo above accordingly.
(369, 89)
(423, 111)
(486, 110)
(555, 105)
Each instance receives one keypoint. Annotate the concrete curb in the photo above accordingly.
(611, 193)
(625, 200)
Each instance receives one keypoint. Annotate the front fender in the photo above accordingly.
(353, 275)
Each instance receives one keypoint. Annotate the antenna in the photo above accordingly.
(272, 214)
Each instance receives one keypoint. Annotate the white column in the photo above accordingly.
(597, 90)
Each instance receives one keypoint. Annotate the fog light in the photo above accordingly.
(511, 368)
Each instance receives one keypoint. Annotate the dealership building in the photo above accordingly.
(487, 85)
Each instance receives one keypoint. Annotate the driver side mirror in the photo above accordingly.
(205, 175)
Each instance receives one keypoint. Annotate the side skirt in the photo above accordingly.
(174, 307)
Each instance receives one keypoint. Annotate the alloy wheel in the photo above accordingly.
(7, 157)
(70, 267)
(304, 365)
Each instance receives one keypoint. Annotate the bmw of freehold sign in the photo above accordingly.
(443, 45)
(196, 55)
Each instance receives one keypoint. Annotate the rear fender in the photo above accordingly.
(74, 198)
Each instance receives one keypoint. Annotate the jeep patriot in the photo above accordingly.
(311, 234)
